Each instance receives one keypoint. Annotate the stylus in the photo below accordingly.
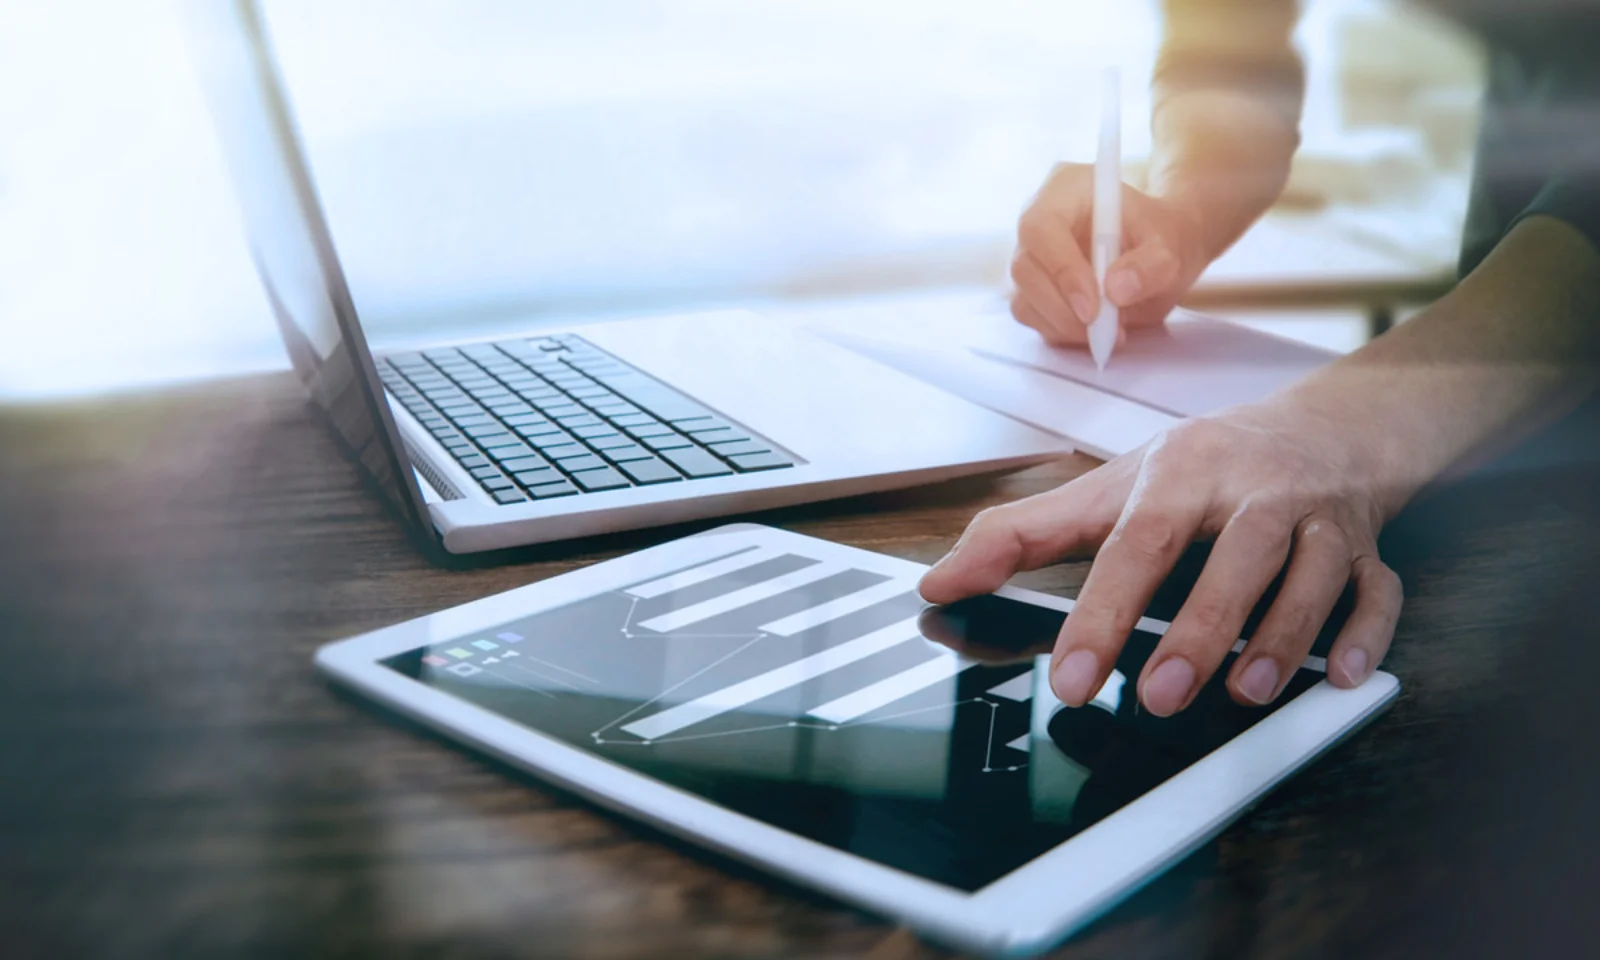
(1105, 240)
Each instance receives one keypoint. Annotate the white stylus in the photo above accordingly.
(1105, 242)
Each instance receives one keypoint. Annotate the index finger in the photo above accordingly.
(1140, 551)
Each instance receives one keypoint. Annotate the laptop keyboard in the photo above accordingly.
(534, 419)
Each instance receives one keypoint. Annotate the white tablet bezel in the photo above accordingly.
(1028, 909)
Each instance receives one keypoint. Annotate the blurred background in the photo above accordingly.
(487, 164)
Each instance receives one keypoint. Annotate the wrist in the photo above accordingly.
(1384, 440)
(1222, 156)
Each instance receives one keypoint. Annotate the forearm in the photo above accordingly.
(1228, 87)
(1224, 155)
(1514, 342)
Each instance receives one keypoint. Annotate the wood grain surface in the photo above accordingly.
(176, 781)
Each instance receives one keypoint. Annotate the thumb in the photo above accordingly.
(1147, 271)
(1025, 535)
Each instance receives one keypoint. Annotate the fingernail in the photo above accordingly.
(1083, 307)
(1074, 678)
(1354, 662)
(1168, 687)
(1123, 286)
(1260, 680)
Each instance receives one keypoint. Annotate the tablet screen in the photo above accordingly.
(831, 702)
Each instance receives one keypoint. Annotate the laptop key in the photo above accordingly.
(738, 448)
(474, 460)
(474, 420)
(651, 429)
(556, 438)
(760, 461)
(483, 431)
(629, 419)
(596, 431)
(670, 441)
(519, 464)
(695, 462)
(496, 482)
(545, 491)
(578, 420)
(603, 478)
(509, 495)
(563, 451)
(513, 451)
(607, 440)
(524, 419)
(699, 424)
(650, 470)
(663, 402)
(724, 435)
(537, 432)
(575, 464)
(483, 473)
(533, 478)
(630, 452)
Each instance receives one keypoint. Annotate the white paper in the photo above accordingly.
(971, 347)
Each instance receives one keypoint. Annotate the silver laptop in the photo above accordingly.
(578, 430)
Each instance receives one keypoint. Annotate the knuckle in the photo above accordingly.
(1063, 174)
(1388, 584)
(1325, 535)
(988, 522)
(1034, 227)
(1148, 536)
(1017, 269)
(1199, 437)
(1019, 309)
(1265, 516)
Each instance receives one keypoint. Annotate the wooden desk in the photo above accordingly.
(175, 781)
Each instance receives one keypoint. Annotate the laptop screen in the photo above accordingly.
(291, 246)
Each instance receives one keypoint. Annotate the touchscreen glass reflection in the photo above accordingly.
(833, 703)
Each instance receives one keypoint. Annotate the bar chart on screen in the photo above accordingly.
(762, 638)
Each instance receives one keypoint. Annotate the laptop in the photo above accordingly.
(578, 430)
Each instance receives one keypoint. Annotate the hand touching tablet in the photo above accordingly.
(1271, 485)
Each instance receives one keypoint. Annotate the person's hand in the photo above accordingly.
(1271, 483)
(1055, 290)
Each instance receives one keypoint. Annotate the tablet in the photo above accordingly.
(795, 704)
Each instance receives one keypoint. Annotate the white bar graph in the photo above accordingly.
(733, 600)
(834, 609)
(702, 573)
(673, 719)
(1018, 688)
(887, 691)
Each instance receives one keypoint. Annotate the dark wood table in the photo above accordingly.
(175, 780)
